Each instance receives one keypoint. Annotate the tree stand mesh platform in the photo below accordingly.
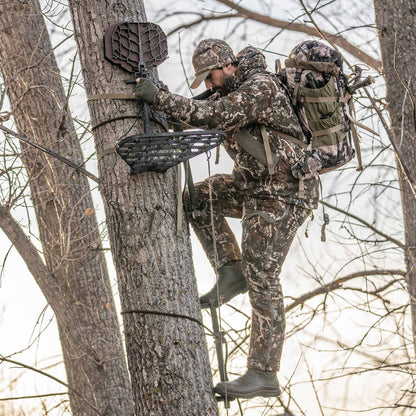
(158, 152)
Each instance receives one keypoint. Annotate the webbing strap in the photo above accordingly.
(189, 183)
(179, 206)
(106, 152)
(111, 96)
(257, 150)
(301, 193)
(322, 132)
(266, 143)
(295, 93)
(320, 99)
(253, 146)
(277, 66)
(217, 155)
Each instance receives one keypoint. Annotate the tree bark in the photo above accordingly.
(396, 23)
(167, 353)
(76, 285)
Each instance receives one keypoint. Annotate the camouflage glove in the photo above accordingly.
(146, 90)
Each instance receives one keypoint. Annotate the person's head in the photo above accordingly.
(213, 61)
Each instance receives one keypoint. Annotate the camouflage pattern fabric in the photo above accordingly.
(315, 50)
(227, 201)
(210, 54)
(269, 227)
(316, 60)
(269, 205)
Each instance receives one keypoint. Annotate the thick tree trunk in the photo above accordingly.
(167, 354)
(77, 285)
(396, 23)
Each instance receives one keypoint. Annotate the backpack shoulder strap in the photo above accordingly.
(253, 147)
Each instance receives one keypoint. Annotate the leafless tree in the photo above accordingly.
(347, 301)
(71, 272)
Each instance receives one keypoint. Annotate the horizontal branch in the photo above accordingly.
(365, 223)
(336, 284)
(51, 377)
(309, 30)
(51, 153)
(37, 396)
(201, 19)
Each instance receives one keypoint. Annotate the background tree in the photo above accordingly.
(73, 275)
(397, 35)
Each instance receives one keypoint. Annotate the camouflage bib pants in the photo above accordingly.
(269, 227)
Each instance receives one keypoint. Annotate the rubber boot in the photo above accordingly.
(252, 384)
(230, 283)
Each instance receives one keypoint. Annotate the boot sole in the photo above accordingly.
(257, 393)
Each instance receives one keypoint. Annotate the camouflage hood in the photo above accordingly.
(250, 61)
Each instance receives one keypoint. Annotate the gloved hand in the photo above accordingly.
(146, 90)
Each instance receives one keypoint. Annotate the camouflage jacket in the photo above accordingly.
(255, 98)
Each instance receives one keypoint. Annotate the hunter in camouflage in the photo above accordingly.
(247, 96)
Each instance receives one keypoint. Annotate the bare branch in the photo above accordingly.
(201, 19)
(336, 284)
(50, 152)
(365, 223)
(37, 396)
(311, 31)
(52, 377)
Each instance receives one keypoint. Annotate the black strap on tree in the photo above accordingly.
(138, 47)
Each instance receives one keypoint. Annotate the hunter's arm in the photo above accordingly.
(238, 109)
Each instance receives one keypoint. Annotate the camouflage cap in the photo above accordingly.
(210, 54)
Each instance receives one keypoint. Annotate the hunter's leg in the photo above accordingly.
(268, 231)
(226, 202)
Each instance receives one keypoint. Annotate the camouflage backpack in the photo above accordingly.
(321, 96)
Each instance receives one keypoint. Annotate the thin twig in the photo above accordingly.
(368, 225)
(311, 31)
(53, 378)
(37, 396)
(51, 153)
(338, 282)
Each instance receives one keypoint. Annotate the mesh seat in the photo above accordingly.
(158, 152)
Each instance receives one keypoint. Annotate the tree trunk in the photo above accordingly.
(396, 23)
(166, 351)
(77, 285)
